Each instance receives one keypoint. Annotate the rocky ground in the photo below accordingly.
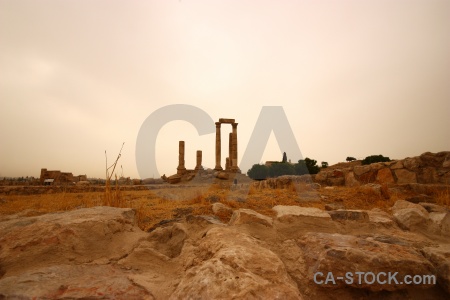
(100, 253)
(349, 232)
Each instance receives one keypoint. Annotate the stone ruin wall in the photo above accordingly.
(60, 177)
(428, 168)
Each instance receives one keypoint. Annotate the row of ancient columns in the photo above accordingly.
(181, 169)
(231, 160)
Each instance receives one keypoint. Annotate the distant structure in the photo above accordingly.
(58, 177)
(231, 162)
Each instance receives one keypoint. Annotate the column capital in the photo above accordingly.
(234, 125)
(218, 124)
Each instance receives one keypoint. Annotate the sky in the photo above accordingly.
(355, 78)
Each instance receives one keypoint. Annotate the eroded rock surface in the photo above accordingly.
(100, 253)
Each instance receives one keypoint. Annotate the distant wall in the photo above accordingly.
(60, 177)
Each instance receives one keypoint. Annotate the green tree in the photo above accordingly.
(374, 159)
(258, 172)
(279, 169)
(324, 164)
(301, 168)
(312, 166)
(284, 157)
(306, 166)
(349, 158)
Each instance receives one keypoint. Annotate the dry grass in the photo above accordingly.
(153, 206)
(443, 198)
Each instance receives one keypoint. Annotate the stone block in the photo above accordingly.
(405, 176)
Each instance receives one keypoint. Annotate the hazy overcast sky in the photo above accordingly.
(355, 78)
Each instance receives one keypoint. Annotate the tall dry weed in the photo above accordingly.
(114, 197)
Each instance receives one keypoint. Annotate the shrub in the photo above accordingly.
(306, 166)
(350, 158)
(279, 169)
(258, 172)
(301, 168)
(374, 159)
(324, 164)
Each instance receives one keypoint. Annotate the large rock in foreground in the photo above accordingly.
(341, 254)
(73, 282)
(78, 236)
(65, 254)
(235, 266)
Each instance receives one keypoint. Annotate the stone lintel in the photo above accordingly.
(227, 121)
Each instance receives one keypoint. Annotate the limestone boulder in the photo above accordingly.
(412, 163)
(359, 170)
(446, 163)
(376, 166)
(405, 176)
(396, 165)
(376, 189)
(402, 204)
(324, 252)
(412, 219)
(384, 175)
(440, 258)
(222, 175)
(73, 282)
(235, 266)
(427, 175)
(378, 216)
(430, 207)
(336, 173)
(168, 240)
(349, 215)
(286, 212)
(77, 236)
(438, 219)
(248, 216)
(294, 219)
(220, 208)
(66, 255)
(350, 180)
(433, 160)
(174, 179)
(321, 176)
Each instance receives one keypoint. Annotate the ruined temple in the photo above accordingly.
(59, 177)
(231, 162)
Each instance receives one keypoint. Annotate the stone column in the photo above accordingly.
(234, 148)
(199, 160)
(230, 151)
(218, 147)
(181, 169)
